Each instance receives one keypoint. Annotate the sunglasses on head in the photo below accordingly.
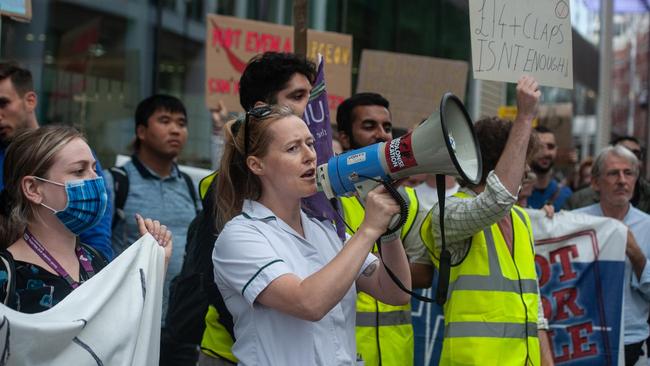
(257, 113)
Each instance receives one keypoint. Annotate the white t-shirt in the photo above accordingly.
(254, 249)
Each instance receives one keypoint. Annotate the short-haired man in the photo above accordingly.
(641, 198)
(277, 78)
(269, 78)
(547, 190)
(614, 174)
(151, 183)
(18, 101)
(384, 332)
(493, 307)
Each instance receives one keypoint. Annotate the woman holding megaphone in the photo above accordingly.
(288, 280)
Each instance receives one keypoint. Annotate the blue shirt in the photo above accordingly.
(539, 197)
(636, 292)
(167, 200)
(98, 236)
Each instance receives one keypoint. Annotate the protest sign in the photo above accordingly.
(232, 42)
(515, 37)
(580, 263)
(317, 118)
(414, 85)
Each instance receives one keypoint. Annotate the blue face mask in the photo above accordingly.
(87, 201)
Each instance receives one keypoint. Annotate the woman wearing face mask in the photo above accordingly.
(288, 280)
(52, 193)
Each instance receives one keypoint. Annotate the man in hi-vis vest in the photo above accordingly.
(384, 332)
(492, 311)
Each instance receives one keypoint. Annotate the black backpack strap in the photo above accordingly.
(190, 187)
(121, 191)
(101, 260)
(7, 263)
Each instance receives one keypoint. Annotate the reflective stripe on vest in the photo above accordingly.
(494, 281)
(491, 311)
(489, 329)
(391, 323)
(384, 318)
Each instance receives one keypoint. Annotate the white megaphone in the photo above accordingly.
(443, 144)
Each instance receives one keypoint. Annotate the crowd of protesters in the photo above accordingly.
(273, 285)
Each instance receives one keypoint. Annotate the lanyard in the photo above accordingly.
(39, 249)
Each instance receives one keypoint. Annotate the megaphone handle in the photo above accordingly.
(368, 185)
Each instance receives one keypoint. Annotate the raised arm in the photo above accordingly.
(511, 166)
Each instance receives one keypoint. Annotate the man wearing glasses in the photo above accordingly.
(641, 196)
(614, 173)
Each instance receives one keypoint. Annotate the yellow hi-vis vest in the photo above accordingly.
(216, 341)
(382, 330)
(491, 308)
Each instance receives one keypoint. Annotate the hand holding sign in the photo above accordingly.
(528, 95)
(513, 37)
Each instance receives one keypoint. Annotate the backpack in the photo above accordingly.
(121, 191)
(193, 289)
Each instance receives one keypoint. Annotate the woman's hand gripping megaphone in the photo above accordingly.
(386, 209)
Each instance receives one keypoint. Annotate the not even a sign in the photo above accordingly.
(515, 37)
(232, 42)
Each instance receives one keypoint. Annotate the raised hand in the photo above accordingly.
(160, 232)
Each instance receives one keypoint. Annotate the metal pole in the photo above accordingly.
(300, 17)
(604, 75)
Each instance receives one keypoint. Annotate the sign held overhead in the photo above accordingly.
(515, 37)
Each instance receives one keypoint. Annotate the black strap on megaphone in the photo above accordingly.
(445, 264)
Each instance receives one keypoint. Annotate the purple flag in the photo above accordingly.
(317, 118)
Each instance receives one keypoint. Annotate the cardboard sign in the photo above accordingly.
(515, 37)
(232, 42)
(20, 10)
(414, 85)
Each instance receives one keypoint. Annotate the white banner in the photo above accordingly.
(580, 265)
(111, 319)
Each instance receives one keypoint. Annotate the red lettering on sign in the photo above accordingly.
(263, 42)
(579, 339)
(566, 298)
(546, 306)
(251, 41)
(545, 269)
(334, 101)
(565, 254)
(218, 86)
(564, 350)
(225, 37)
(288, 45)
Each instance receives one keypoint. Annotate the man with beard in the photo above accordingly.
(547, 189)
(384, 333)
